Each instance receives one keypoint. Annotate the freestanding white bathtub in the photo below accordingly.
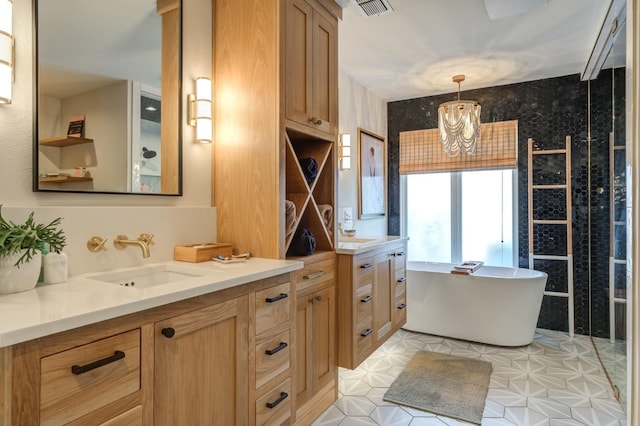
(494, 305)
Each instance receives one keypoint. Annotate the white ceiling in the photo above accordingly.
(415, 50)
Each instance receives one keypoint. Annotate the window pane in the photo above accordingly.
(487, 218)
(429, 217)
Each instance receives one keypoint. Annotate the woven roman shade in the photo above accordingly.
(421, 150)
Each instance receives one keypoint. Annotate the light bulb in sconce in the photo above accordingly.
(6, 50)
(200, 110)
(345, 151)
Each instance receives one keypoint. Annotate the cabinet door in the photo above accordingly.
(315, 351)
(298, 60)
(310, 66)
(324, 52)
(201, 365)
(383, 295)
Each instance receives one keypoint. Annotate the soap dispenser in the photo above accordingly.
(44, 251)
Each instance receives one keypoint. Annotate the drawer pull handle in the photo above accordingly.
(366, 266)
(366, 299)
(315, 300)
(367, 332)
(402, 306)
(401, 280)
(282, 397)
(400, 253)
(80, 369)
(314, 275)
(168, 332)
(275, 299)
(277, 349)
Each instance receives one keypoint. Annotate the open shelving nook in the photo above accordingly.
(311, 198)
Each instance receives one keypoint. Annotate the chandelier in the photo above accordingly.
(459, 124)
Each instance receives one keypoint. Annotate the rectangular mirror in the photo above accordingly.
(107, 113)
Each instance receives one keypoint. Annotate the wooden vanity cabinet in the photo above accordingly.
(371, 300)
(199, 361)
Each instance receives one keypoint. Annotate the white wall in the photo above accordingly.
(117, 211)
(358, 107)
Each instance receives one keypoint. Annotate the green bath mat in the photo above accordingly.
(443, 384)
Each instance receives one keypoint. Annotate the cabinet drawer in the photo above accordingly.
(273, 307)
(274, 408)
(132, 417)
(272, 357)
(81, 380)
(362, 271)
(364, 339)
(364, 308)
(400, 257)
(315, 273)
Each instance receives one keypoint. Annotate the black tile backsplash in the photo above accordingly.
(547, 110)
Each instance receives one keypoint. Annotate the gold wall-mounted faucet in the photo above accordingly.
(143, 241)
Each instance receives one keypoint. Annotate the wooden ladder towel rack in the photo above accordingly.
(566, 186)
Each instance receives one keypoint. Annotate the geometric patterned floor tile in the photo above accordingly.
(556, 380)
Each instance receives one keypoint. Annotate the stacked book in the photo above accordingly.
(467, 267)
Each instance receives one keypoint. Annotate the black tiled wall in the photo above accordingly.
(547, 110)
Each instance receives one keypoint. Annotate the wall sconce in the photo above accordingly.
(6, 51)
(344, 155)
(200, 110)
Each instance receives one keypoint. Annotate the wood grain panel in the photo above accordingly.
(269, 366)
(170, 111)
(278, 414)
(66, 396)
(212, 344)
(247, 156)
(272, 314)
(132, 417)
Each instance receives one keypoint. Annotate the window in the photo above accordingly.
(456, 216)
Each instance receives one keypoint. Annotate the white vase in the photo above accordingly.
(14, 279)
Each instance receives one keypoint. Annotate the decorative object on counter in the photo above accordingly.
(309, 167)
(349, 233)
(459, 124)
(326, 212)
(201, 252)
(290, 217)
(234, 258)
(372, 178)
(303, 243)
(20, 251)
(79, 172)
(55, 266)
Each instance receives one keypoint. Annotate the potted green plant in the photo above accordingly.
(20, 251)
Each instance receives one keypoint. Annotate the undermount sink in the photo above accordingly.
(356, 240)
(149, 276)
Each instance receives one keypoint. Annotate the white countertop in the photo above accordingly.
(363, 247)
(80, 301)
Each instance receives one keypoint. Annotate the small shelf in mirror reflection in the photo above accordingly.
(65, 179)
(64, 141)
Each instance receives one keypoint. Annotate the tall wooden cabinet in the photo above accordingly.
(276, 111)
(276, 103)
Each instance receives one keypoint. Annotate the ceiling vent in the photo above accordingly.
(374, 7)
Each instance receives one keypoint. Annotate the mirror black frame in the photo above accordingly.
(36, 96)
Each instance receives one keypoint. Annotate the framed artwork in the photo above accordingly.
(372, 175)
